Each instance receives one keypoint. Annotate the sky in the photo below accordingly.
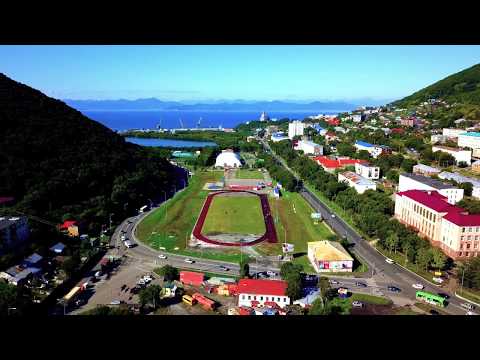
(203, 73)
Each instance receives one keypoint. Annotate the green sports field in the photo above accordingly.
(234, 215)
(249, 174)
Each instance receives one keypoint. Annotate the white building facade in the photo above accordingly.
(309, 147)
(295, 128)
(458, 154)
(359, 183)
(418, 182)
(452, 133)
(469, 139)
(367, 171)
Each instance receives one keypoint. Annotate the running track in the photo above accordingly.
(270, 233)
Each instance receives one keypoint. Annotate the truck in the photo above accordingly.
(207, 304)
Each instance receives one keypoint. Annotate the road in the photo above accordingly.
(382, 273)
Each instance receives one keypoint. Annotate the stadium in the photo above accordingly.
(235, 218)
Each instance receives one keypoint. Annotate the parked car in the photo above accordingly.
(390, 261)
(393, 289)
(333, 215)
(224, 268)
(271, 273)
(189, 261)
(115, 302)
(467, 306)
(438, 280)
(434, 312)
(123, 287)
(98, 274)
(360, 284)
(418, 286)
(161, 256)
(357, 304)
(333, 282)
(471, 313)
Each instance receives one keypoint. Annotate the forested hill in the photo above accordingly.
(462, 87)
(55, 160)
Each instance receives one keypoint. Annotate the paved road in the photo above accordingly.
(382, 273)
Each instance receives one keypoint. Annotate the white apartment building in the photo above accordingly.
(359, 183)
(459, 154)
(452, 133)
(295, 128)
(309, 147)
(469, 139)
(417, 182)
(367, 171)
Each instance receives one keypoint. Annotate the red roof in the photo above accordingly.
(463, 219)
(262, 287)
(334, 121)
(336, 163)
(434, 200)
(67, 224)
(398, 130)
(191, 277)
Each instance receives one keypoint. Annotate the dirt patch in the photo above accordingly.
(373, 309)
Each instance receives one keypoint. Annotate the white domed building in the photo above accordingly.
(228, 159)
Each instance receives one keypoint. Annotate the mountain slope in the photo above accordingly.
(55, 160)
(112, 105)
(462, 87)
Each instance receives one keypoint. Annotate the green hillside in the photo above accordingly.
(462, 87)
(56, 161)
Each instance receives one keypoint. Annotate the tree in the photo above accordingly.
(150, 295)
(70, 265)
(467, 188)
(408, 164)
(168, 272)
(244, 268)
(462, 164)
(8, 298)
(363, 155)
(471, 273)
(289, 268)
(294, 288)
(439, 259)
(345, 149)
(318, 308)
(424, 257)
(392, 242)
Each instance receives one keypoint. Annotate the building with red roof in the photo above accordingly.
(192, 278)
(256, 292)
(330, 165)
(334, 121)
(447, 226)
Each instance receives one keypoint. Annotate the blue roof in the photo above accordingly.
(58, 248)
(363, 143)
(33, 259)
(476, 134)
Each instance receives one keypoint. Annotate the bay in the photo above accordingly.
(169, 142)
(150, 119)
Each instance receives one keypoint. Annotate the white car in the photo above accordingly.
(271, 273)
(390, 261)
(418, 286)
(333, 282)
(333, 215)
(161, 256)
(98, 274)
(189, 261)
(122, 237)
(470, 313)
(357, 304)
(438, 280)
(467, 306)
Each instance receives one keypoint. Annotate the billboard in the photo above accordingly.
(316, 216)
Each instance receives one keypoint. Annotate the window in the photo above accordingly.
(255, 297)
(475, 245)
(462, 238)
(261, 298)
(278, 299)
(476, 237)
(461, 246)
(469, 237)
(249, 297)
(468, 246)
(266, 298)
(463, 229)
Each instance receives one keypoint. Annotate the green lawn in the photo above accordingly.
(208, 274)
(405, 311)
(469, 294)
(171, 224)
(427, 308)
(291, 214)
(248, 174)
(370, 299)
(234, 215)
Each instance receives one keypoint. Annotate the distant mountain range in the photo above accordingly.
(236, 105)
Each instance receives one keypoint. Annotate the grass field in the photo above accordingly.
(171, 224)
(234, 215)
(248, 174)
(292, 221)
(470, 294)
(370, 299)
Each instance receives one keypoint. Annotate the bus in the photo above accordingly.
(430, 298)
(187, 299)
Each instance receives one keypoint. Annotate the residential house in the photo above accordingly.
(329, 256)
(255, 292)
(459, 154)
(418, 182)
(359, 183)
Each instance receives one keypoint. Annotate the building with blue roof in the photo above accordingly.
(469, 139)
(58, 248)
(33, 260)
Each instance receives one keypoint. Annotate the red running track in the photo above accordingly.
(270, 233)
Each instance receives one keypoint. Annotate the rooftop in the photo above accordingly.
(262, 287)
(432, 200)
(6, 221)
(363, 143)
(426, 168)
(308, 142)
(463, 219)
(459, 178)
(436, 184)
(336, 163)
(329, 250)
(357, 179)
(475, 134)
(448, 148)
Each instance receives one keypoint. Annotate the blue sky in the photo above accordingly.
(233, 72)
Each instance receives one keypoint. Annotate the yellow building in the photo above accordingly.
(329, 256)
